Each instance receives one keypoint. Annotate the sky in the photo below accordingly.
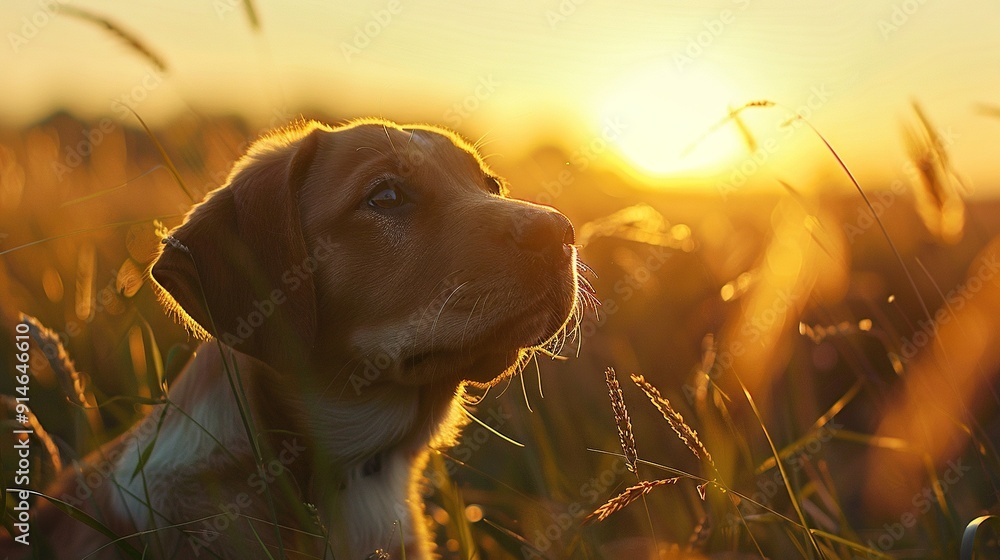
(640, 82)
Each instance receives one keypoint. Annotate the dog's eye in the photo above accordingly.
(386, 198)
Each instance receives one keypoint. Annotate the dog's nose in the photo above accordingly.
(544, 232)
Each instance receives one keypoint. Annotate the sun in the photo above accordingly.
(666, 116)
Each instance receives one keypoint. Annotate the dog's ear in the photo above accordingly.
(238, 268)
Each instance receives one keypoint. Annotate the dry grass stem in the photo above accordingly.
(939, 202)
(622, 420)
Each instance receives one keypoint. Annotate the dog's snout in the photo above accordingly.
(544, 232)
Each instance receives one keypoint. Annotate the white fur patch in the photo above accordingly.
(180, 446)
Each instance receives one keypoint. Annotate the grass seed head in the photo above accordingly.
(684, 431)
(621, 501)
(622, 420)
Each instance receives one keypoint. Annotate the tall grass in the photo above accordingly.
(769, 452)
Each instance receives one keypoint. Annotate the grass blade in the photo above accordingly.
(148, 451)
(163, 154)
(781, 467)
(260, 541)
(88, 230)
(87, 519)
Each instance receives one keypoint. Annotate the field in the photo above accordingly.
(854, 342)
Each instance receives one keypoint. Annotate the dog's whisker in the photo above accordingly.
(470, 400)
(438, 293)
(578, 334)
(583, 267)
(483, 308)
(443, 305)
(465, 329)
(524, 390)
(352, 363)
(538, 372)
(510, 379)
(389, 138)
(479, 143)
(359, 363)
(376, 150)
(423, 312)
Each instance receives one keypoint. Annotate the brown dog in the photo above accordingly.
(353, 280)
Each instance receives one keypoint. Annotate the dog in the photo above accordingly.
(349, 284)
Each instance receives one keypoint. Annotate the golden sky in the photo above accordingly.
(644, 78)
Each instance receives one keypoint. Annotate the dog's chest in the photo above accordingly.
(374, 503)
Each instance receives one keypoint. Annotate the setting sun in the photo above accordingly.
(666, 117)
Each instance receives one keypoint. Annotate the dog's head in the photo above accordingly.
(392, 251)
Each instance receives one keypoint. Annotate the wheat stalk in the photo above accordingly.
(685, 432)
(113, 28)
(622, 420)
(622, 500)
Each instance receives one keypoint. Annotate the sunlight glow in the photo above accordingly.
(665, 115)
